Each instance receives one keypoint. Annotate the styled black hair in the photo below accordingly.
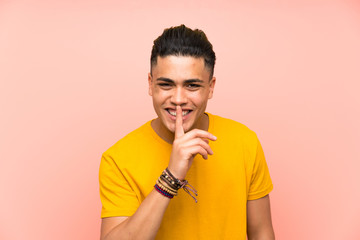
(183, 41)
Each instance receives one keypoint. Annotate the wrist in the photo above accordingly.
(176, 174)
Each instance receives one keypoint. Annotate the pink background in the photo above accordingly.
(74, 81)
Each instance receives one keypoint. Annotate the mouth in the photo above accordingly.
(172, 112)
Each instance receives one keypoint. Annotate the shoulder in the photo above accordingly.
(232, 129)
(133, 139)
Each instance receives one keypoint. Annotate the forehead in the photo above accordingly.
(181, 67)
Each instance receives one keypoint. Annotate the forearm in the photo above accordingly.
(145, 222)
(263, 235)
(259, 224)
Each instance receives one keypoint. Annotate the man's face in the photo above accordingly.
(180, 81)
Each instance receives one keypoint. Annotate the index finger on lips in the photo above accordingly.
(179, 130)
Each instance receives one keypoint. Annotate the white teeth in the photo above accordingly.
(174, 113)
(185, 112)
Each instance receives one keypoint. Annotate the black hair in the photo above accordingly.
(183, 41)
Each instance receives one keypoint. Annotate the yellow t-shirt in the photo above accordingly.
(235, 173)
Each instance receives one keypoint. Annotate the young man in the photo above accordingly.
(141, 176)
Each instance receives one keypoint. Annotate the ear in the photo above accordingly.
(212, 86)
(150, 83)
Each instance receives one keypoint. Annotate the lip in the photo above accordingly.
(173, 118)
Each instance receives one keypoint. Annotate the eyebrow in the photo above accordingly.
(186, 81)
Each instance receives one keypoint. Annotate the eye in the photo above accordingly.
(165, 85)
(193, 86)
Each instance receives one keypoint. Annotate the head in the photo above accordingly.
(183, 41)
(182, 67)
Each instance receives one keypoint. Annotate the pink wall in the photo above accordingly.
(73, 81)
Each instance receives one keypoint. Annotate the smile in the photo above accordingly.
(173, 112)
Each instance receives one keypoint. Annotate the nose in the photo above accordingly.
(178, 96)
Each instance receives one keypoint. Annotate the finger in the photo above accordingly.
(198, 142)
(198, 150)
(205, 140)
(179, 130)
(197, 133)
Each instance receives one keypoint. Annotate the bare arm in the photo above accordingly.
(145, 222)
(259, 225)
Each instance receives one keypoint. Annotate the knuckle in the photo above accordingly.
(199, 141)
(197, 149)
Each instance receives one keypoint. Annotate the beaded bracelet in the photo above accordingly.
(165, 188)
(173, 181)
(163, 192)
(168, 185)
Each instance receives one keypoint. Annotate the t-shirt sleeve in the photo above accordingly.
(260, 184)
(116, 195)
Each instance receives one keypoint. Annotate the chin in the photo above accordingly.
(171, 127)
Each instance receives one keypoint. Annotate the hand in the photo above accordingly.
(186, 146)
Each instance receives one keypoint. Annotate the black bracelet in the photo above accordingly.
(174, 181)
(177, 183)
